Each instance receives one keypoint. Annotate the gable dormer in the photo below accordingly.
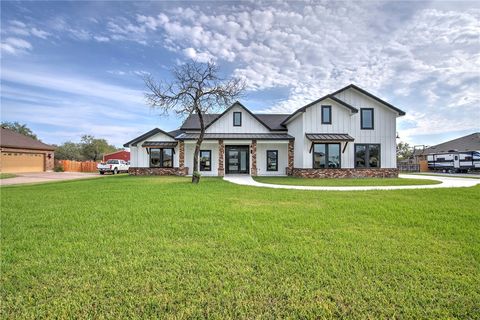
(237, 119)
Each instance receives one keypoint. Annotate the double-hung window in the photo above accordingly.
(205, 160)
(326, 155)
(367, 156)
(161, 158)
(272, 160)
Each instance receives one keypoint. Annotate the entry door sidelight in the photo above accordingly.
(237, 159)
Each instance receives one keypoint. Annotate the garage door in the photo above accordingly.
(22, 162)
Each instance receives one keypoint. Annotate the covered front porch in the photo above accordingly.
(250, 154)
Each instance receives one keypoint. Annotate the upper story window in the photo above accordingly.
(237, 119)
(326, 114)
(366, 118)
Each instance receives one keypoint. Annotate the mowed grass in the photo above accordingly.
(159, 247)
(7, 175)
(345, 182)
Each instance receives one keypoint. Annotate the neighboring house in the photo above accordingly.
(349, 133)
(20, 153)
(466, 143)
(121, 155)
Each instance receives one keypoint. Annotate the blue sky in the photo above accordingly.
(73, 68)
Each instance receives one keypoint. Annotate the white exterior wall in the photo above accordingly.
(282, 148)
(206, 145)
(385, 126)
(225, 123)
(343, 121)
(295, 129)
(139, 156)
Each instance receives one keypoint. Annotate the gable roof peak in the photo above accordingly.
(370, 95)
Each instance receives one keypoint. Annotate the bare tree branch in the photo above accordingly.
(196, 88)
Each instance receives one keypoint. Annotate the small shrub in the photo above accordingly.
(197, 174)
(58, 168)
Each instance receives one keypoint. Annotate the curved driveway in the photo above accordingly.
(446, 182)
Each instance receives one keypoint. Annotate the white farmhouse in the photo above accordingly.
(348, 133)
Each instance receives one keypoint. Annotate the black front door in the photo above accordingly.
(237, 159)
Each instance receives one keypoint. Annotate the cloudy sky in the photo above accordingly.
(70, 68)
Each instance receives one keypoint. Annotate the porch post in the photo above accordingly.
(253, 150)
(291, 152)
(181, 157)
(221, 156)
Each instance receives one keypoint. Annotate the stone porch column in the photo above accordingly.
(181, 157)
(291, 152)
(253, 151)
(221, 157)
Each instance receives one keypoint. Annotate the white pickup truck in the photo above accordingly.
(114, 166)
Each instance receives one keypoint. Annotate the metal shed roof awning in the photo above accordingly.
(329, 137)
(237, 136)
(160, 144)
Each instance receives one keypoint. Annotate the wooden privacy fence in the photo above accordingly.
(78, 166)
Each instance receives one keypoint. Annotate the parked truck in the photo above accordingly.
(113, 166)
(454, 161)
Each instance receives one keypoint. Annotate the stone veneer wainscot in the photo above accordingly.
(346, 173)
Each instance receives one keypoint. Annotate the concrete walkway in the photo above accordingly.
(446, 182)
(38, 177)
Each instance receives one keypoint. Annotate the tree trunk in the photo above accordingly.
(196, 173)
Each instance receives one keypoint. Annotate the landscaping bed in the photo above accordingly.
(345, 182)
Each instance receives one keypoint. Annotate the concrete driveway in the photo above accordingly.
(37, 177)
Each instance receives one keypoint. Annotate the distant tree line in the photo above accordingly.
(19, 128)
(89, 147)
(404, 151)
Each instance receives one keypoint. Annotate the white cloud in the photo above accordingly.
(19, 28)
(39, 33)
(15, 45)
(74, 85)
(101, 38)
(315, 49)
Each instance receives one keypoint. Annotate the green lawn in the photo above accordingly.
(345, 182)
(471, 176)
(7, 175)
(147, 247)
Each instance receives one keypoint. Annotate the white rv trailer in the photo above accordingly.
(454, 161)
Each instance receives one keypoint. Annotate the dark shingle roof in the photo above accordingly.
(192, 122)
(237, 136)
(175, 133)
(273, 121)
(146, 136)
(470, 142)
(12, 139)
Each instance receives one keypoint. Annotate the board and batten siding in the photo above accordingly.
(139, 158)
(385, 125)
(295, 129)
(206, 145)
(262, 147)
(343, 121)
(225, 123)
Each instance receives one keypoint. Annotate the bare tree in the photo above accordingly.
(196, 88)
